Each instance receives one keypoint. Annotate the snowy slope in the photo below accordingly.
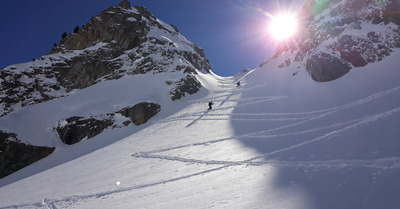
(278, 141)
(336, 142)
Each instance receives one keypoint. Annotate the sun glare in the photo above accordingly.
(283, 26)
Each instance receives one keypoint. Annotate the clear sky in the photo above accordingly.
(231, 32)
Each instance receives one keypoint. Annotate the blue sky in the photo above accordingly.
(231, 32)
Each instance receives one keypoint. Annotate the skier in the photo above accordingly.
(237, 84)
(210, 105)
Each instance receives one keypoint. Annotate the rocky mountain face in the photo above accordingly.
(339, 35)
(74, 129)
(15, 155)
(120, 41)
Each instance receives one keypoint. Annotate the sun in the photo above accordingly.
(282, 26)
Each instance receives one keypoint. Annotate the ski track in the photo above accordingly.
(384, 163)
(341, 127)
(224, 96)
(51, 203)
(329, 135)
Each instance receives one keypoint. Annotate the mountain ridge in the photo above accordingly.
(92, 54)
(336, 39)
(121, 41)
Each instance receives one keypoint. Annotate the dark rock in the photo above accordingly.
(125, 4)
(126, 123)
(188, 85)
(392, 12)
(83, 71)
(15, 155)
(125, 30)
(141, 112)
(175, 28)
(325, 67)
(78, 128)
(197, 59)
(354, 57)
(26, 87)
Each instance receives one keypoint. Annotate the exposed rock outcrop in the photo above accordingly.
(118, 25)
(141, 112)
(15, 155)
(30, 86)
(188, 85)
(77, 128)
(125, 4)
(324, 67)
(74, 129)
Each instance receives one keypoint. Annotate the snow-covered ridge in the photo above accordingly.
(138, 43)
(120, 44)
(346, 35)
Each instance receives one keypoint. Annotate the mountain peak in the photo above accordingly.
(120, 41)
(125, 4)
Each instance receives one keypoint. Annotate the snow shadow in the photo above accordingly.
(197, 119)
(342, 154)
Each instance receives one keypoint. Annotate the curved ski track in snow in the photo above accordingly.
(341, 127)
(228, 94)
(307, 117)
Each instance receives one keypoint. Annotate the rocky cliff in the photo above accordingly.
(119, 41)
(122, 41)
(339, 35)
(15, 155)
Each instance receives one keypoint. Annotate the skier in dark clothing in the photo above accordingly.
(210, 105)
(237, 84)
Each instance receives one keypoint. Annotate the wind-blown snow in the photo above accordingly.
(277, 141)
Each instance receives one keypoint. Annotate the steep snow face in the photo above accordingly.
(343, 35)
(119, 41)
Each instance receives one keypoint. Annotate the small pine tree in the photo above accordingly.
(76, 29)
(64, 35)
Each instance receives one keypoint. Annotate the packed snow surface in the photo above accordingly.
(277, 141)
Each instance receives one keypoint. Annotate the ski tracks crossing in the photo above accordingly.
(294, 118)
(228, 98)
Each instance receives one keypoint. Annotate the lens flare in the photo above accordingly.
(283, 26)
(254, 29)
(280, 24)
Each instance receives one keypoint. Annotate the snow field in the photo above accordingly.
(278, 141)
